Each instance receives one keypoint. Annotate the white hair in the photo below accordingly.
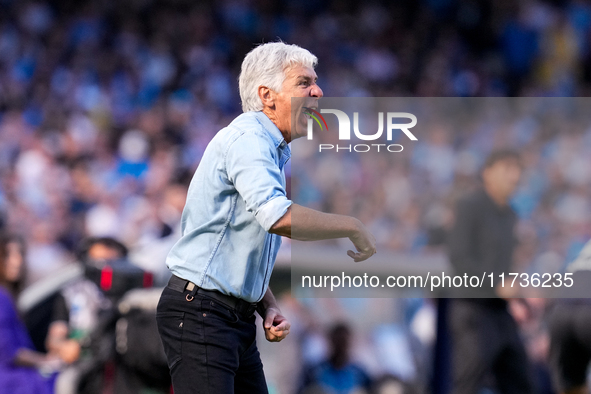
(266, 65)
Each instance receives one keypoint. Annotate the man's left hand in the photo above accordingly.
(276, 325)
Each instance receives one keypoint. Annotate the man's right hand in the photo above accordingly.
(364, 242)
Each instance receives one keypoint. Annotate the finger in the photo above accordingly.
(279, 334)
(277, 330)
(272, 331)
(271, 337)
(357, 257)
(275, 336)
(351, 254)
(284, 325)
(362, 256)
(370, 251)
(269, 318)
(283, 335)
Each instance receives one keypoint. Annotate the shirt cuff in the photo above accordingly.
(269, 213)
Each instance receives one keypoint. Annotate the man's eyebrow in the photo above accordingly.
(306, 78)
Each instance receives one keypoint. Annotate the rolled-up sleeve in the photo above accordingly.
(252, 167)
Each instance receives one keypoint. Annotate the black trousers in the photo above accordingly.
(210, 348)
(485, 342)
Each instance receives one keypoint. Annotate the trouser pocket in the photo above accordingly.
(170, 327)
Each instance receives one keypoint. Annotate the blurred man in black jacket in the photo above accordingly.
(485, 338)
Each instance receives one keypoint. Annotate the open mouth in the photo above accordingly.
(309, 111)
(312, 113)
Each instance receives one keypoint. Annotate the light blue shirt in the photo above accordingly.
(235, 196)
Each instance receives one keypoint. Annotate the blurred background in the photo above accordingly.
(106, 108)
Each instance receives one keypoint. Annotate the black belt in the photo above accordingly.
(242, 307)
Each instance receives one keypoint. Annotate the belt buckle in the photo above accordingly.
(192, 290)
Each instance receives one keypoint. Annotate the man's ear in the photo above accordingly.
(267, 96)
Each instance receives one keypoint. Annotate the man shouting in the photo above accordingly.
(235, 214)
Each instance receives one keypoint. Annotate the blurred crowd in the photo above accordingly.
(106, 108)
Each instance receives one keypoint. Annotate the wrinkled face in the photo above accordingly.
(299, 81)
(503, 176)
(14, 261)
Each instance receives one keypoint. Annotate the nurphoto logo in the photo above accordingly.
(345, 129)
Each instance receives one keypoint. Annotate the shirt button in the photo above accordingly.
(282, 144)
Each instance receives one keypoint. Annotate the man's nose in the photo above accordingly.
(316, 91)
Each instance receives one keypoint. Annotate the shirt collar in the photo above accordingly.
(272, 130)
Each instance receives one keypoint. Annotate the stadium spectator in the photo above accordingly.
(76, 314)
(338, 374)
(20, 364)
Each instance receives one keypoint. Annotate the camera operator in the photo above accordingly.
(76, 313)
